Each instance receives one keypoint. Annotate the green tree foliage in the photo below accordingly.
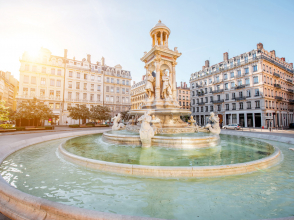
(32, 109)
(124, 115)
(100, 113)
(79, 112)
(4, 113)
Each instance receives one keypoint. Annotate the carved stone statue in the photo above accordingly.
(149, 85)
(132, 121)
(166, 86)
(155, 124)
(213, 124)
(146, 131)
(116, 125)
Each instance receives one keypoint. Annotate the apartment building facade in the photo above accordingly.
(253, 89)
(183, 96)
(61, 82)
(138, 94)
(8, 89)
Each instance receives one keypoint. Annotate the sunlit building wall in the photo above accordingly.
(61, 82)
(8, 89)
(253, 89)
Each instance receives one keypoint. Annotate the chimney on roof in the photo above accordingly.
(134, 82)
(283, 58)
(206, 63)
(65, 53)
(102, 61)
(260, 46)
(203, 67)
(273, 53)
(89, 58)
(181, 84)
(291, 64)
(226, 56)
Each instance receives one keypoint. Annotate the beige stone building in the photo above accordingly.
(8, 89)
(138, 94)
(253, 89)
(62, 82)
(183, 95)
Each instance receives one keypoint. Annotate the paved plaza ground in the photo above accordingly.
(11, 137)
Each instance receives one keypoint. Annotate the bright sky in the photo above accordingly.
(119, 30)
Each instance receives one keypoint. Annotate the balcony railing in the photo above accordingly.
(277, 75)
(290, 80)
(277, 86)
(217, 91)
(291, 90)
(201, 94)
(240, 87)
(279, 98)
(240, 98)
(262, 56)
(217, 101)
(201, 103)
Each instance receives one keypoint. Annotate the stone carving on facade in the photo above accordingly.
(116, 125)
(146, 131)
(166, 86)
(149, 85)
(213, 124)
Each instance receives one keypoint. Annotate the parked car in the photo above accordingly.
(232, 126)
(291, 125)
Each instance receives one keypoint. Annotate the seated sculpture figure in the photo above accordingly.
(146, 131)
(193, 123)
(213, 124)
(132, 121)
(116, 125)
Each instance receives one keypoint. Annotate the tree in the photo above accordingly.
(43, 112)
(124, 115)
(84, 112)
(33, 109)
(79, 112)
(4, 113)
(100, 113)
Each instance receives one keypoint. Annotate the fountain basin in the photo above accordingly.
(180, 141)
(174, 171)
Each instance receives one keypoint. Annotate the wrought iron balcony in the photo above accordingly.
(277, 75)
(291, 90)
(201, 103)
(291, 101)
(240, 87)
(217, 91)
(201, 94)
(240, 98)
(290, 80)
(217, 101)
(277, 86)
(279, 98)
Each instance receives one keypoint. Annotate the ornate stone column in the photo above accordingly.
(161, 38)
(157, 82)
(174, 83)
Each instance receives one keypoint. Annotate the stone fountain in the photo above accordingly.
(161, 113)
